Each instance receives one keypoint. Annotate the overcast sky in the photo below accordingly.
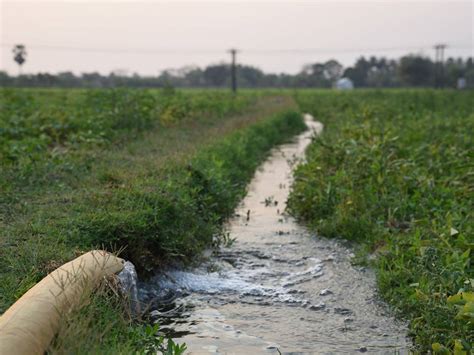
(276, 36)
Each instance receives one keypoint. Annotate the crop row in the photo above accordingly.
(38, 123)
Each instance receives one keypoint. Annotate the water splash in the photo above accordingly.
(129, 285)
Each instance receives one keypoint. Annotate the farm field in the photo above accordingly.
(150, 173)
(393, 172)
(154, 174)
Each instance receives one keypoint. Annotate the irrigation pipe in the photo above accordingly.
(30, 324)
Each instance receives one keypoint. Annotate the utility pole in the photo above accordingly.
(439, 65)
(233, 70)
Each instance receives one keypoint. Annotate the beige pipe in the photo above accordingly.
(30, 324)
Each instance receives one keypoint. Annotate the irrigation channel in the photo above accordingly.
(277, 288)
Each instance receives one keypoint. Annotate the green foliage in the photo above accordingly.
(153, 172)
(416, 71)
(34, 128)
(393, 171)
(407, 71)
(150, 342)
(102, 325)
(182, 213)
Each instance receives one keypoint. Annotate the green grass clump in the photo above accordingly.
(103, 325)
(179, 214)
(393, 171)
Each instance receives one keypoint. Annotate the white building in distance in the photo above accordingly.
(344, 84)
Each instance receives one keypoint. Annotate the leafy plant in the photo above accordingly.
(150, 342)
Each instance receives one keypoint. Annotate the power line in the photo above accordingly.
(276, 51)
(346, 50)
(119, 50)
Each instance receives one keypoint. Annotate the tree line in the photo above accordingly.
(408, 71)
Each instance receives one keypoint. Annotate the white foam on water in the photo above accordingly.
(240, 283)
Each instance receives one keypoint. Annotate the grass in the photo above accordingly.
(46, 133)
(157, 172)
(103, 325)
(154, 173)
(393, 172)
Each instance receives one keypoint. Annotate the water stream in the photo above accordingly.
(278, 287)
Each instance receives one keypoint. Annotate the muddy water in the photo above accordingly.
(277, 288)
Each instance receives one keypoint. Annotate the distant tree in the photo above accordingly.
(319, 74)
(216, 75)
(454, 69)
(94, 80)
(371, 72)
(67, 79)
(333, 70)
(382, 73)
(312, 75)
(46, 79)
(249, 76)
(5, 79)
(359, 72)
(416, 70)
(192, 76)
(469, 63)
(19, 55)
